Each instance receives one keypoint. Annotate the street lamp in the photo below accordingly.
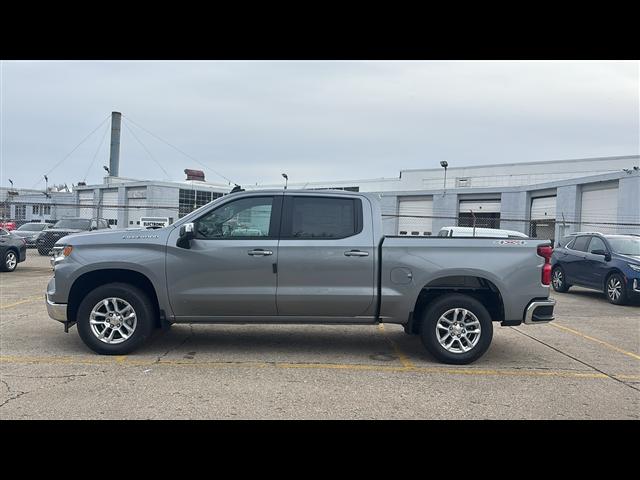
(444, 165)
(286, 180)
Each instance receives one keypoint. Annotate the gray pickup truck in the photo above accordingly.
(296, 257)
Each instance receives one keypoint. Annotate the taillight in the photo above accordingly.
(546, 251)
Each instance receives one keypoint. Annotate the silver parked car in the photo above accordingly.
(31, 231)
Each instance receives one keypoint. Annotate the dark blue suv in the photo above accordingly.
(609, 263)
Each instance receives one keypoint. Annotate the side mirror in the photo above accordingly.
(604, 253)
(187, 233)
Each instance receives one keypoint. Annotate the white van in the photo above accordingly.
(479, 232)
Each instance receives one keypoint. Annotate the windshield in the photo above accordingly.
(75, 224)
(625, 245)
(32, 227)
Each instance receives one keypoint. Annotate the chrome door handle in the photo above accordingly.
(355, 253)
(258, 252)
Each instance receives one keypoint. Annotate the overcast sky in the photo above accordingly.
(315, 120)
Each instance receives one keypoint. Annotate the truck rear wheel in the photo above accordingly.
(115, 319)
(456, 329)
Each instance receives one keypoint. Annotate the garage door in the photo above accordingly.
(109, 206)
(480, 206)
(543, 208)
(486, 213)
(543, 217)
(86, 204)
(599, 207)
(134, 212)
(415, 216)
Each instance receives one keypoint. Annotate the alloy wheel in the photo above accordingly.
(113, 320)
(614, 288)
(458, 330)
(11, 261)
(557, 279)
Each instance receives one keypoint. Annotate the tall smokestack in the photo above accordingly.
(114, 156)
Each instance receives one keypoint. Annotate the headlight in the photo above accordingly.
(59, 253)
(634, 266)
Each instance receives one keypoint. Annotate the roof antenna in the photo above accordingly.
(286, 180)
(237, 188)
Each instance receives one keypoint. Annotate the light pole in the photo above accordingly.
(444, 165)
(286, 180)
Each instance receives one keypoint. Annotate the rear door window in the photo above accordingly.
(581, 243)
(328, 218)
(565, 241)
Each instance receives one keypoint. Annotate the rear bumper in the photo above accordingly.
(539, 311)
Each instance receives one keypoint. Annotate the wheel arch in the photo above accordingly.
(475, 286)
(608, 276)
(88, 281)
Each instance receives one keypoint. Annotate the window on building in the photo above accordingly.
(190, 200)
(21, 212)
(35, 209)
(46, 209)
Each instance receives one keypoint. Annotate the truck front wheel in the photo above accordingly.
(115, 319)
(456, 329)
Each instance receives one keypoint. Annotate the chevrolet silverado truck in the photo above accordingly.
(298, 257)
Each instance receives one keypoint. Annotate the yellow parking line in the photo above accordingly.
(132, 361)
(406, 363)
(27, 300)
(613, 347)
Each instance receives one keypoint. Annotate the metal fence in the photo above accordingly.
(131, 216)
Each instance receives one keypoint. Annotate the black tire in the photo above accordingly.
(430, 320)
(8, 255)
(609, 289)
(142, 306)
(43, 251)
(562, 286)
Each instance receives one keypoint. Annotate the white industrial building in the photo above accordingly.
(542, 199)
(545, 199)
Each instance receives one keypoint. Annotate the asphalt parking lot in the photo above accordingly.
(585, 365)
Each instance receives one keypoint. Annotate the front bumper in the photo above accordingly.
(634, 288)
(539, 311)
(57, 311)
